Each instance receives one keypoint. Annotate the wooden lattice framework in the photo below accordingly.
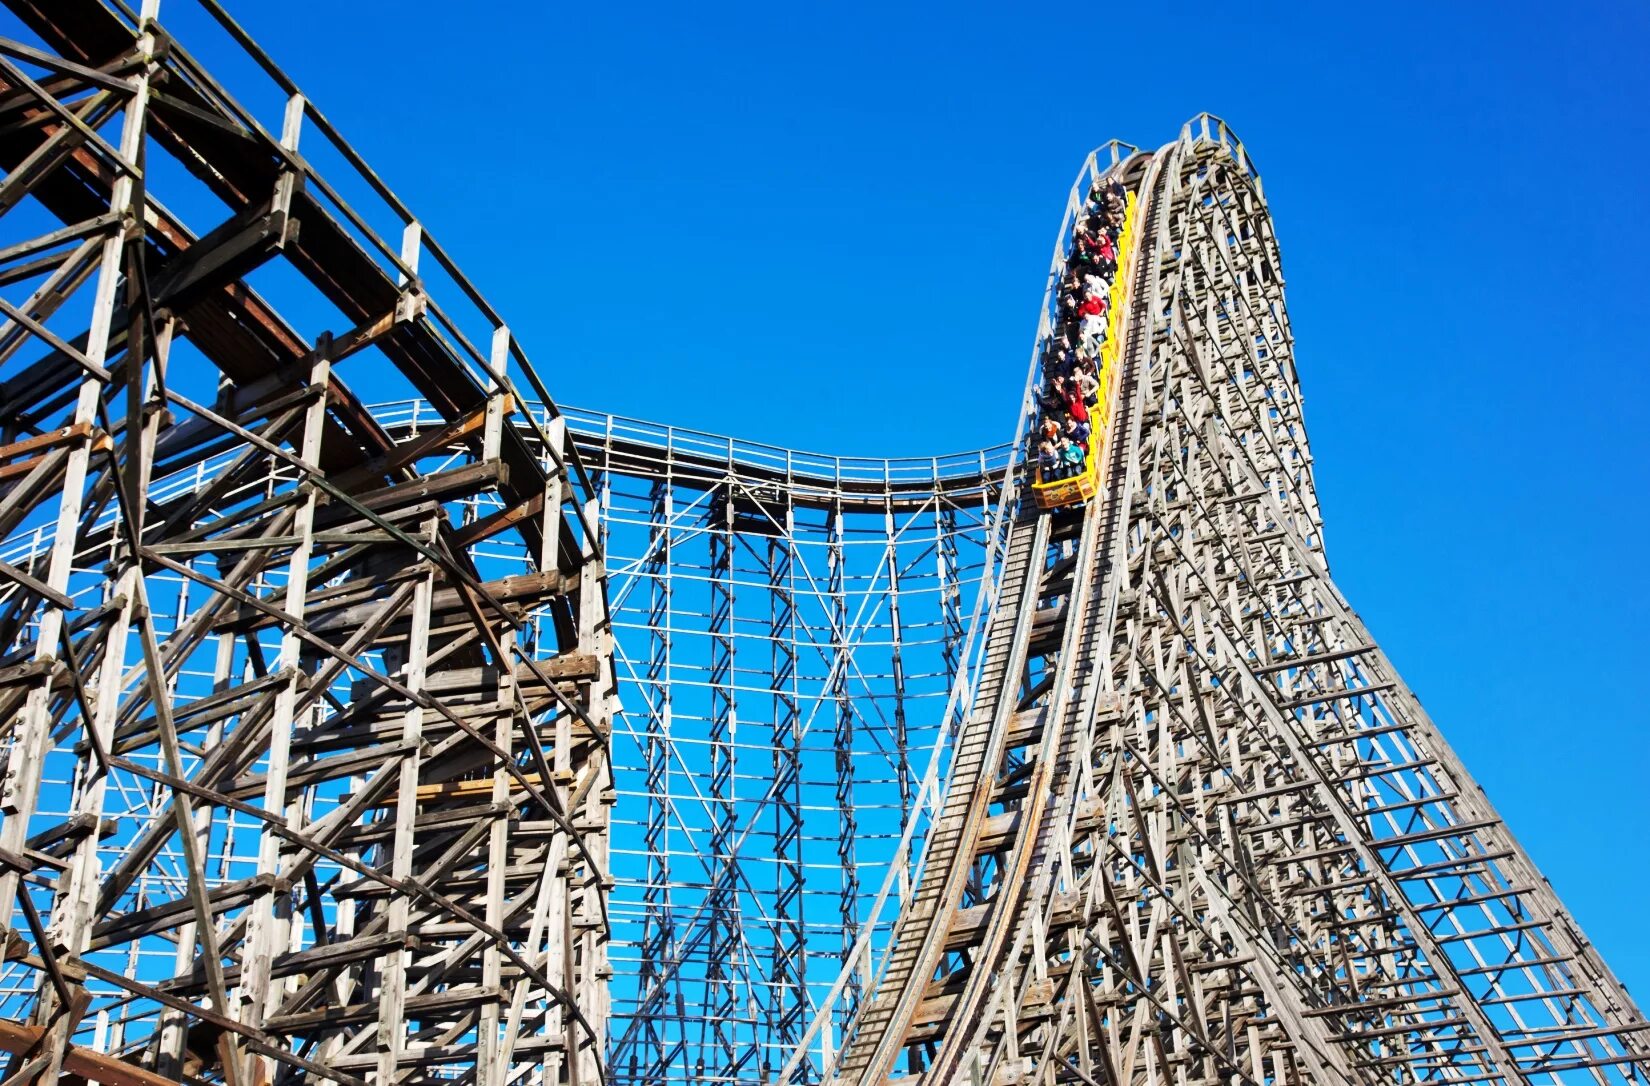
(307, 709)
(305, 729)
(1197, 830)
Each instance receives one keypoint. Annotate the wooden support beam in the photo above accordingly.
(20, 1038)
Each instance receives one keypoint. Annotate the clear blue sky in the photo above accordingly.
(827, 227)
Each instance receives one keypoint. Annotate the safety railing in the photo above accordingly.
(741, 458)
(456, 312)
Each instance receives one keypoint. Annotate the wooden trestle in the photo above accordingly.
(306, 719)
(1214, 838)
(305, 729)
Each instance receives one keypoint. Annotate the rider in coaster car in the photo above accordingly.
(1048, 458)
(1075, 407)
(1072, 453)
(1087, 384)
(1078, 432)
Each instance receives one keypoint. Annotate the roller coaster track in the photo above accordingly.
(920, 936)
(1229, 844)
(307, 707)
(293, 770)
(1081, 689)
(1007, 747)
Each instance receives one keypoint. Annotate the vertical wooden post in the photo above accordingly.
(267, 933)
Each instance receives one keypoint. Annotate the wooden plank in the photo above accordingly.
(19, 1038)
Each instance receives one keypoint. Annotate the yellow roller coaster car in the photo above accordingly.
(1079, 488)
